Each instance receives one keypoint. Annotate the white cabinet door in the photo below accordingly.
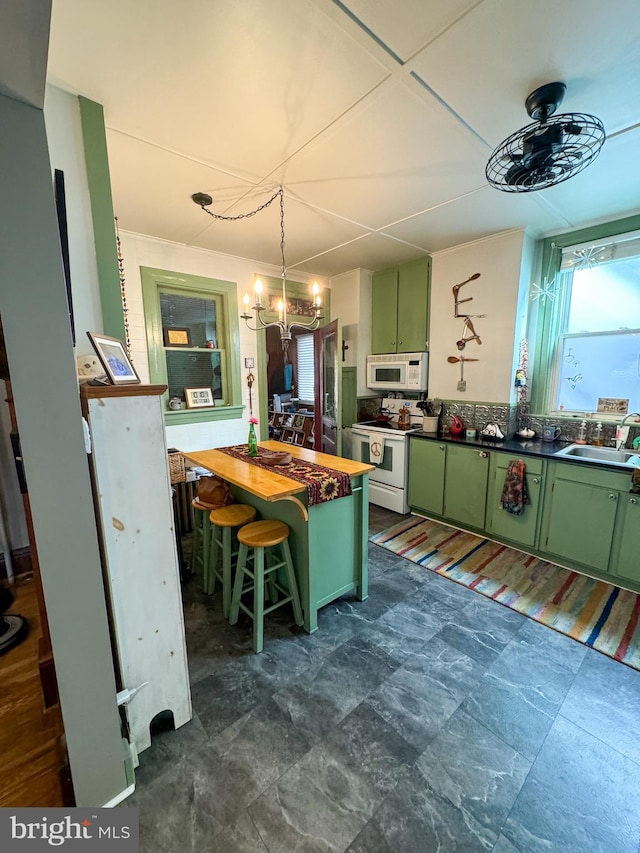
(133, 496)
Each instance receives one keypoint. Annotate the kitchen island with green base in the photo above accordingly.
(328, 540)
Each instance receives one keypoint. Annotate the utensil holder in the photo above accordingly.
(430, 424)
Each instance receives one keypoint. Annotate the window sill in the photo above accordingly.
(198, 416)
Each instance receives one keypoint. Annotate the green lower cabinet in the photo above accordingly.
(426, 475)
(581, 520)
(625, 557)
(520, 529)
(465, 487)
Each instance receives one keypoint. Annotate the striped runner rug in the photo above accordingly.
(595, 613)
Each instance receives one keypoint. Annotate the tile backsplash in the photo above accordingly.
(509, 418)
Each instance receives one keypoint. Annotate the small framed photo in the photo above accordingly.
(114, 359)
(176, 337)
(199, 398)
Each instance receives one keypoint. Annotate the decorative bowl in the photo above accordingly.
(276, 458)
(525, 433)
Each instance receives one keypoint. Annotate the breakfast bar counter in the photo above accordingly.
(328, 540)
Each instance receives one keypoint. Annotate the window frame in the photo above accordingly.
(552, 312)
(155, 280)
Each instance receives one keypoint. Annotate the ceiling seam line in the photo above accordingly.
(365, 29)
(450, 110)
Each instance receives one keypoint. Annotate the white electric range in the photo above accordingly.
(385, 445)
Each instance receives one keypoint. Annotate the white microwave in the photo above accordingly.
(402, 371)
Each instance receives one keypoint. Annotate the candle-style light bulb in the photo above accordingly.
(315, 290)
(257, 290)
(246, 301)
(280, 309)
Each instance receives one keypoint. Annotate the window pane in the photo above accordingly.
(601, 365)
(306, 376)
(189, 369)
(199, 315)
(606, 297)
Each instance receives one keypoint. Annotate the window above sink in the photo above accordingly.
(588, 321)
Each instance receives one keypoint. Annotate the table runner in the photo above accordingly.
(323, 484)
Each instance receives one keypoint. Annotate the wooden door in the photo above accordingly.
(327, 349)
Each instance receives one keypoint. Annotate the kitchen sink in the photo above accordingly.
(601, 455)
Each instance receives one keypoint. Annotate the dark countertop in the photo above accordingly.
(521, 446)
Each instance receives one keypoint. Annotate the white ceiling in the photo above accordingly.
(377, 116)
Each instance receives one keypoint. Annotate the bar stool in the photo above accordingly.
(260, 535)
(223, 521)
(202, 536)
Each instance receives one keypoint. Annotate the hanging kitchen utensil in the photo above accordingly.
(453, 359)
(465, 339)
(458, 302)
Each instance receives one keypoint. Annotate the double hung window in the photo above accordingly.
(597, 326)
(192, 339)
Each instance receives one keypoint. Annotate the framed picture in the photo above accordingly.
(176, 337)
(199, 398)
(114, 359)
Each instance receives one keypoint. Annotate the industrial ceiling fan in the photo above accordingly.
(549, 151)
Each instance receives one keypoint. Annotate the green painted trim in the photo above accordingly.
(104, 235)
(154, 279)
(551, 313)
(200, 416)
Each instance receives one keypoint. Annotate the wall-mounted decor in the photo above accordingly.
(456, 297)
(114, 359)
(176, 337)
(199, 398)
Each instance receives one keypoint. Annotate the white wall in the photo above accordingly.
(499, 260)
(351, 302)
(140, 251)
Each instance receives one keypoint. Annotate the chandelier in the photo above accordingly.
(204, 200)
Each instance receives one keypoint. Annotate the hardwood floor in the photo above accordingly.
(31, 744)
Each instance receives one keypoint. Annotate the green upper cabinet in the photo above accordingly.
(400, 308)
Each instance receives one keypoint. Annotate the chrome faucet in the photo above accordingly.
(621, 438)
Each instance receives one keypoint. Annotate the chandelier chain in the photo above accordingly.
(280, 193)
(284, 268)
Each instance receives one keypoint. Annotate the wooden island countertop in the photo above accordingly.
(270, 485)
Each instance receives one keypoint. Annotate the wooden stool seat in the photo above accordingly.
(263, 534)
(260, 535)
(223, 520)
(234, 515)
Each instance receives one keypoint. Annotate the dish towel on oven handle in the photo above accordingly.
(376, 449)
(514, 492)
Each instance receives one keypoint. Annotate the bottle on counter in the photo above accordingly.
(582, 433)
(252, 443)
(598, 438)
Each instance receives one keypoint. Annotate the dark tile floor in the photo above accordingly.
(427, 718)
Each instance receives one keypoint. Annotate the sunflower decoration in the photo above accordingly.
(329, 489)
